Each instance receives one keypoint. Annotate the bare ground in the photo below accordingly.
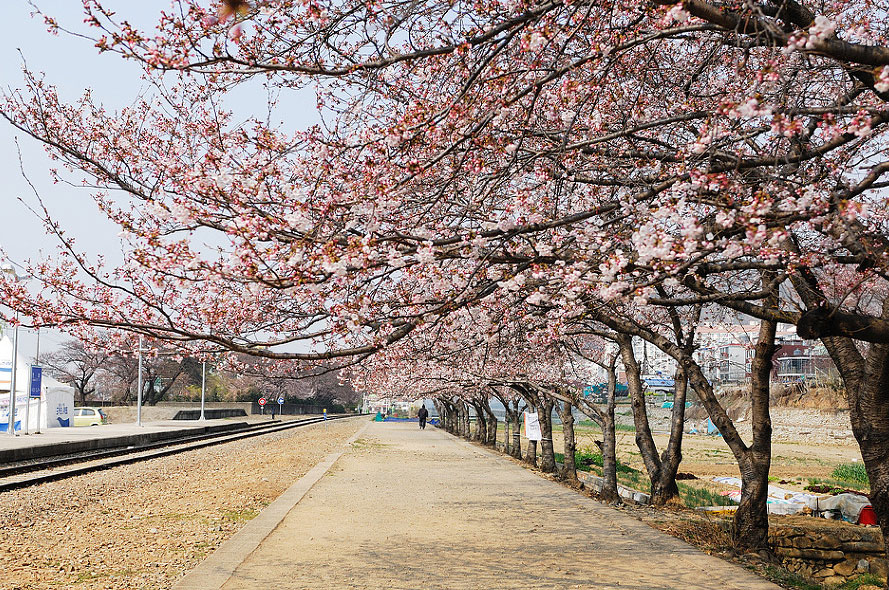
(144, 525)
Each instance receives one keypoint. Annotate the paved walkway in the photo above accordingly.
(408, 509)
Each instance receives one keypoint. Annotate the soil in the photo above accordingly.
(407, 509)
(144, 525)
(826, 441)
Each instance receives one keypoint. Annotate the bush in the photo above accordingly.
(692, 497)
(851, 472)
(585, 459)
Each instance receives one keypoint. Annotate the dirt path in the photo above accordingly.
(410, 509)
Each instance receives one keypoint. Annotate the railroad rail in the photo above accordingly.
(35, 471)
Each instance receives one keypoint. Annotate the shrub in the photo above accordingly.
(851, 472)
(584, 459)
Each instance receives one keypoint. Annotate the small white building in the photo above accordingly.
(54, 407)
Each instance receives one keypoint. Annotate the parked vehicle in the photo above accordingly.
(89, 417)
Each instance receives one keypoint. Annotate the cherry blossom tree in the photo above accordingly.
(569, 156)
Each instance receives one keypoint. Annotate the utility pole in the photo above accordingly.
(139, 392)
(203, 388)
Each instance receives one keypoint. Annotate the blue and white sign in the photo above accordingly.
(36, 380)
(280, 401)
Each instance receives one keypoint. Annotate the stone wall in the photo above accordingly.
(829, 553)
(165, 410)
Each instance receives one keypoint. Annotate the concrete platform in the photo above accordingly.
(400, 508)
(54, 441)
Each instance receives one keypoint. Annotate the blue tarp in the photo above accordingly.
(598, 390)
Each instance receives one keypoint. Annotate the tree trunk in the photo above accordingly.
(467, 421)
(750, 529)
(609, 443)
(516, 447)
(660, 494)
(491, 419)
(481, 426)
(507, 422)
(453, 423)
(866, 381)
(531, 453)
(569, 469)
(665, 490)
(463, 419)
(439, 407)
(547, 453)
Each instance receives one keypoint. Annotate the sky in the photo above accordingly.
(73, 65)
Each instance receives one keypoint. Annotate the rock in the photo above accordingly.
(827, 541)
(823, 573)
(863, 565)
(845, 568)
(810, 553)
(878, 567)
(863, 547)
(833, 580)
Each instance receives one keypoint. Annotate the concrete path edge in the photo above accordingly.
(215, 570)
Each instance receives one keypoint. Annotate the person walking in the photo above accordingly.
(422, 415)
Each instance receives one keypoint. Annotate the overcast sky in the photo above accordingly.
(73, 65)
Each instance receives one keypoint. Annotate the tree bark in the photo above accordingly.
(507, 422)
(866, 380)
(481, 425)
(662, 491)
(750, 527)
(516, 430)
(492, 424)
(667, 489)
(605, 420)
(609, 442)
(566, 416)
(547, 452)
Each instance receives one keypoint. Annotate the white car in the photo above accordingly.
(89, 417)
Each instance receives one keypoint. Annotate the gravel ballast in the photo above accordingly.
(145, 525)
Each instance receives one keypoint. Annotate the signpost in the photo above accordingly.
(262, 402)
(34, 391)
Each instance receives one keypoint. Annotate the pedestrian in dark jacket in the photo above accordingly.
(422, 415)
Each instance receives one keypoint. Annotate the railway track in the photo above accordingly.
(36, 471)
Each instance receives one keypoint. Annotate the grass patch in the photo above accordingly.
(859, 581)
(790, 579)
(592, 425)
(634, 479)
(585, 460)
(239, 515)
(693, 496)
(88, 576)
(835, 486)
(854, 473)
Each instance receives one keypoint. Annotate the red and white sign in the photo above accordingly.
(263, 401)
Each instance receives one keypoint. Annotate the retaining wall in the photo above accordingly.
(830, 553)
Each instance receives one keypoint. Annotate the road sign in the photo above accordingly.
(263, 401)
(36, 378)
(280, 401)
